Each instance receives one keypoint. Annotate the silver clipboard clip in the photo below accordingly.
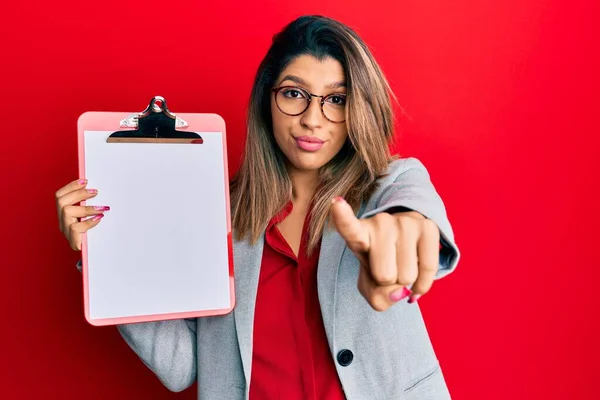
(158, 104)
(156, 124)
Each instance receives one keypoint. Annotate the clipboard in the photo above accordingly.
(164, 250)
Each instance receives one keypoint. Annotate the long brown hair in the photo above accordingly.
(262, 186)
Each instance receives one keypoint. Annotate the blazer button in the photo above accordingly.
(345, 357)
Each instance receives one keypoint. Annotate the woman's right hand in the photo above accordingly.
(72, 218)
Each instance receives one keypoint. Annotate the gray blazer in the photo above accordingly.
(393, 357)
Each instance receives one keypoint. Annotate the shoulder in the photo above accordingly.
(402, 176)
(400, 166)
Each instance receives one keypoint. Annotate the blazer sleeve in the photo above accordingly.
(408, 186)
(168, 348)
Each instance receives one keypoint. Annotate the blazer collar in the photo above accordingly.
(247, 260)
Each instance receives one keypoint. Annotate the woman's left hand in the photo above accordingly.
(395, 251)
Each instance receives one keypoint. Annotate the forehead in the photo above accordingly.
(314, 72)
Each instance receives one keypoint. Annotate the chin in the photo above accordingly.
(302, 164)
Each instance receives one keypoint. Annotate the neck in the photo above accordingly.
(304, 185)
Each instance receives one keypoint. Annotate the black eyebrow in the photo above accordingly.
(336, 85)
(300, 81)
(295, 79)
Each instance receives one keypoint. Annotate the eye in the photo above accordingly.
(337, 99)
(292, 93)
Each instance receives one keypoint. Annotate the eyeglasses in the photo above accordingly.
(293, 101)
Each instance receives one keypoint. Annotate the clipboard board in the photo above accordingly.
(164, 250)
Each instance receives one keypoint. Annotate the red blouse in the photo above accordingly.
(291, 357)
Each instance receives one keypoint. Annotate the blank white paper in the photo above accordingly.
(162, 247)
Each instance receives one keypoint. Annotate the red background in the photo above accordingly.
(501, 103)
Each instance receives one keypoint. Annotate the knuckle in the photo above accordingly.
(407, 277)
(430, 227)
(360, 241)
(378, 303)
(428, 223)
(358, 245)
(75, 229)
(403, 222)
(385, 220)
(60, 203)
(381, 217)
(432, 265)
(384, 277)
(422, 287)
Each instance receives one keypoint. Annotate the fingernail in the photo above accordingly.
(101, 208)
(82, 181)
(97, 217)
(400, 294)
(338, 198)
(414, 298)
(92, 191)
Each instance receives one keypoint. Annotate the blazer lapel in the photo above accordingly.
(247, 260)
(332, 248)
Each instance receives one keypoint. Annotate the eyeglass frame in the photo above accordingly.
(276, 90)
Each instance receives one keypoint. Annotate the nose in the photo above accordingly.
(312, 118)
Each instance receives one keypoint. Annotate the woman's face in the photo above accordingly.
(309, 140)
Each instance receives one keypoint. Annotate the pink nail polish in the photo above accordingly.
(101, 208)
(97, 217)
(400, 294)
(82, 181)
(338, 198)
(92, 191)
(414, 298)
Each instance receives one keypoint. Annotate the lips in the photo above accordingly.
(310, 139)
(309, 143)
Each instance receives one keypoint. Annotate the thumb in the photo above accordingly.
(354, 232)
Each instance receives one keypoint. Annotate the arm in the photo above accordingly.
(410, 189)
(168, 348)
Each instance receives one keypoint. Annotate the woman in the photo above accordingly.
(321, 313)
